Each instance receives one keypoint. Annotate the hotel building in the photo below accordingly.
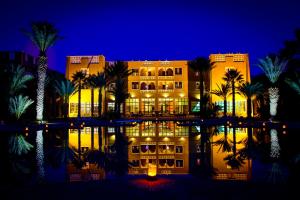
(158, 89)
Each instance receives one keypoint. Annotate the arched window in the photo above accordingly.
(161, 72)
(144, 86)
(143, 72)
(169, 72)
(151, 86)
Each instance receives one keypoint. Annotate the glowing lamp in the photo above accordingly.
(152, 170)
(283, 126)
(26, 129)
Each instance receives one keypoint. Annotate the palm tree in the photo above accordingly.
(222, 91)
(65, 89)
(224, 143)
(18, 105)
(43, 35)
(294, 84)
(100, 82)
(249, 90)
(117, 73)
(273, 69)
(78, 79)
(90, 81)
(232, 77)
(202, 66)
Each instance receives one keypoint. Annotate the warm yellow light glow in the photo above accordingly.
(152, 171)
(166, 139)
(148, 95)
(182, 139)
(284, 126)
(165, 95)
(181, 95)
(132, 95)
(148, 139)
(26, 129)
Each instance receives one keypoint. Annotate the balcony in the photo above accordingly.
(146, 91)
(147, 77)
(165, 90)
(165, 77)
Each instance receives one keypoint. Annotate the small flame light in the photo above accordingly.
(152, 171)
(284, 126)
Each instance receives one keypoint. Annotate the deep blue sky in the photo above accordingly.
(153, 30)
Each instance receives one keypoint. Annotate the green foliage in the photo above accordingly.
(233, 76)
(18, 105)
(251, 89)
(18, 145)
(78, 77)
(272, 69)
(64, 89)
(222, 91)
(43, 35)
(224, 144)
(18, 80)
(295, 84)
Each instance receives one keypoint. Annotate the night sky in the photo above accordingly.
(153, 30)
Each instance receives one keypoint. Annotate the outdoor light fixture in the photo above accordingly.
(152, 171)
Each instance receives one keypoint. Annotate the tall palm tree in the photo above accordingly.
(43, 35)
(78, 79)
(100, 82)
(232, 77)
(117, 73)
(65, 89)
(222, 91)
(202, 66)
(249, 90)
(273, 69)
(90, 81)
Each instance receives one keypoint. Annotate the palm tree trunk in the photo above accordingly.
(99, 103)
(92, 102)
(100, 139)
(201, 95)
(42, 68)
(40, 155)
(79, 100)
(79, 143)
(225, 107)
(233, 98)
(234, 141)
(249, 110)
(274, 97)
(275, 148)
(92, 137)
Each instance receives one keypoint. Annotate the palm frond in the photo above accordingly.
(250, 89)
(272, 69)
(64, 89)
(19, 79)
(294, 84)
(18, 105)
(18, 145)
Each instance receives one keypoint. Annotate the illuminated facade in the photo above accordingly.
(157, 89)
(223, 63)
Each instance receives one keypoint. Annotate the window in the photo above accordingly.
(133, 131)
(148, 149)
(178, 71)
(195, 106)
(179, 163)
(74, 108)
(132, 106)
(197, 85)
(145, 162)
(166, 129)
(181, 131)
(148, 129)
(135, 72)
(229, 68)
(166, 163)
(93, 59)
(181, 105)
(178, 85)
(135, 85)
(135, 163)
(165, 105)
(135, 149)
(166, 149)
(179, 149)
(110, 129)
(86, 71)
(75, 59)
(111, 106)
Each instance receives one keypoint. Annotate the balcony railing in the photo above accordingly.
(165, 90)
(145, 91)
(165, 77)
(147, 77)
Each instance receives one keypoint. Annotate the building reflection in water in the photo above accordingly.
(172, 148)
